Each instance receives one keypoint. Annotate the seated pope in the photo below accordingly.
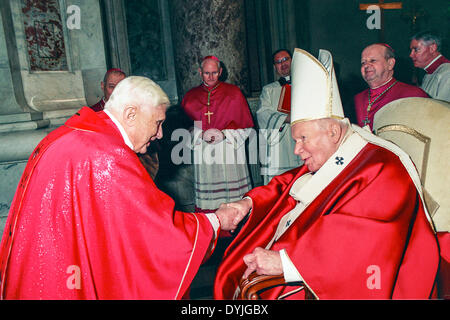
(348, 224)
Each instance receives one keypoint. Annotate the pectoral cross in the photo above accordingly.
(382, 6)
(209, 114)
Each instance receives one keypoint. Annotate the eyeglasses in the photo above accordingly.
(281, 60)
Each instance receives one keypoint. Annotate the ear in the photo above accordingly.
(129, 116)
(433, 47)
(220, 72)
(200, 71)
(391, 63)
(335, 132)
(102, 85)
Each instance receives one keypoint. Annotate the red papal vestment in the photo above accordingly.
(88, 222)
(364, 236)
(397, 91)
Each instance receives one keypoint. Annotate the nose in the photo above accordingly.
(159, 134)
(298, 149)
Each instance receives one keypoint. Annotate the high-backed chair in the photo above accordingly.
(421, 127)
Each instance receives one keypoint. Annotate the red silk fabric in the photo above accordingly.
(369, 218)
(85, 203)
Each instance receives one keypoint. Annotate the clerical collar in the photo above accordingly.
(390, 79)
(125, 137)
(210, 88)
(434, 64)
(284, 80)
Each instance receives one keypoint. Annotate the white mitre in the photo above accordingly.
(314, 93)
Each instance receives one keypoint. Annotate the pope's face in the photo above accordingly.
(375, 69)
(282, 62)
(210, 72)
(148, 126)
(313, 144)
(111, 82)
(421, 54)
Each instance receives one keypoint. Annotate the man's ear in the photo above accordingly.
(335, 132)
(200, 71)
(433, 47)
(102, 85)
(220, 72)
(129, 115)
(391, 63)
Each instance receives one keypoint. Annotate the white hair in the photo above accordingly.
(136, 90)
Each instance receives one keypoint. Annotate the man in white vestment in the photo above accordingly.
(425, 54)
(277, 154)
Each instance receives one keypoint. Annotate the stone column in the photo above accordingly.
(209, 27)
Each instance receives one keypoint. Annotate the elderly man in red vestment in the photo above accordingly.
(110, 80)
(112, 77)
(425, 54)
(377, 69)
(88, 222)
(222, 121)
(350, 223)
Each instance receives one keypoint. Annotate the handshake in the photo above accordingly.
(230, 214)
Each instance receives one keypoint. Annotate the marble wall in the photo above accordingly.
(47, 72)
(209, 27)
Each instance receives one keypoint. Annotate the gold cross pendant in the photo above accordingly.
(209, 114)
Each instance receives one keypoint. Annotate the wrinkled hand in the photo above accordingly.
(263, 261)
(213, 135)
(229, 216)
(244, 205)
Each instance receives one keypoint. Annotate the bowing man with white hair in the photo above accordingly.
(349, 224)
(88, 222)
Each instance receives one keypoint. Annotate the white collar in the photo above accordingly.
(432, 62)
(125, 137)
(382, 84)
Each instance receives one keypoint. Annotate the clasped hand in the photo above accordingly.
(213, 136)
(230, 214)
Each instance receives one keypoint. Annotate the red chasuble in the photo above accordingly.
(382, 96)
(228, 107)
(367, 225)
(88, 222)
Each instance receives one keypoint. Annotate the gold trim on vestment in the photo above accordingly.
(190, 258)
